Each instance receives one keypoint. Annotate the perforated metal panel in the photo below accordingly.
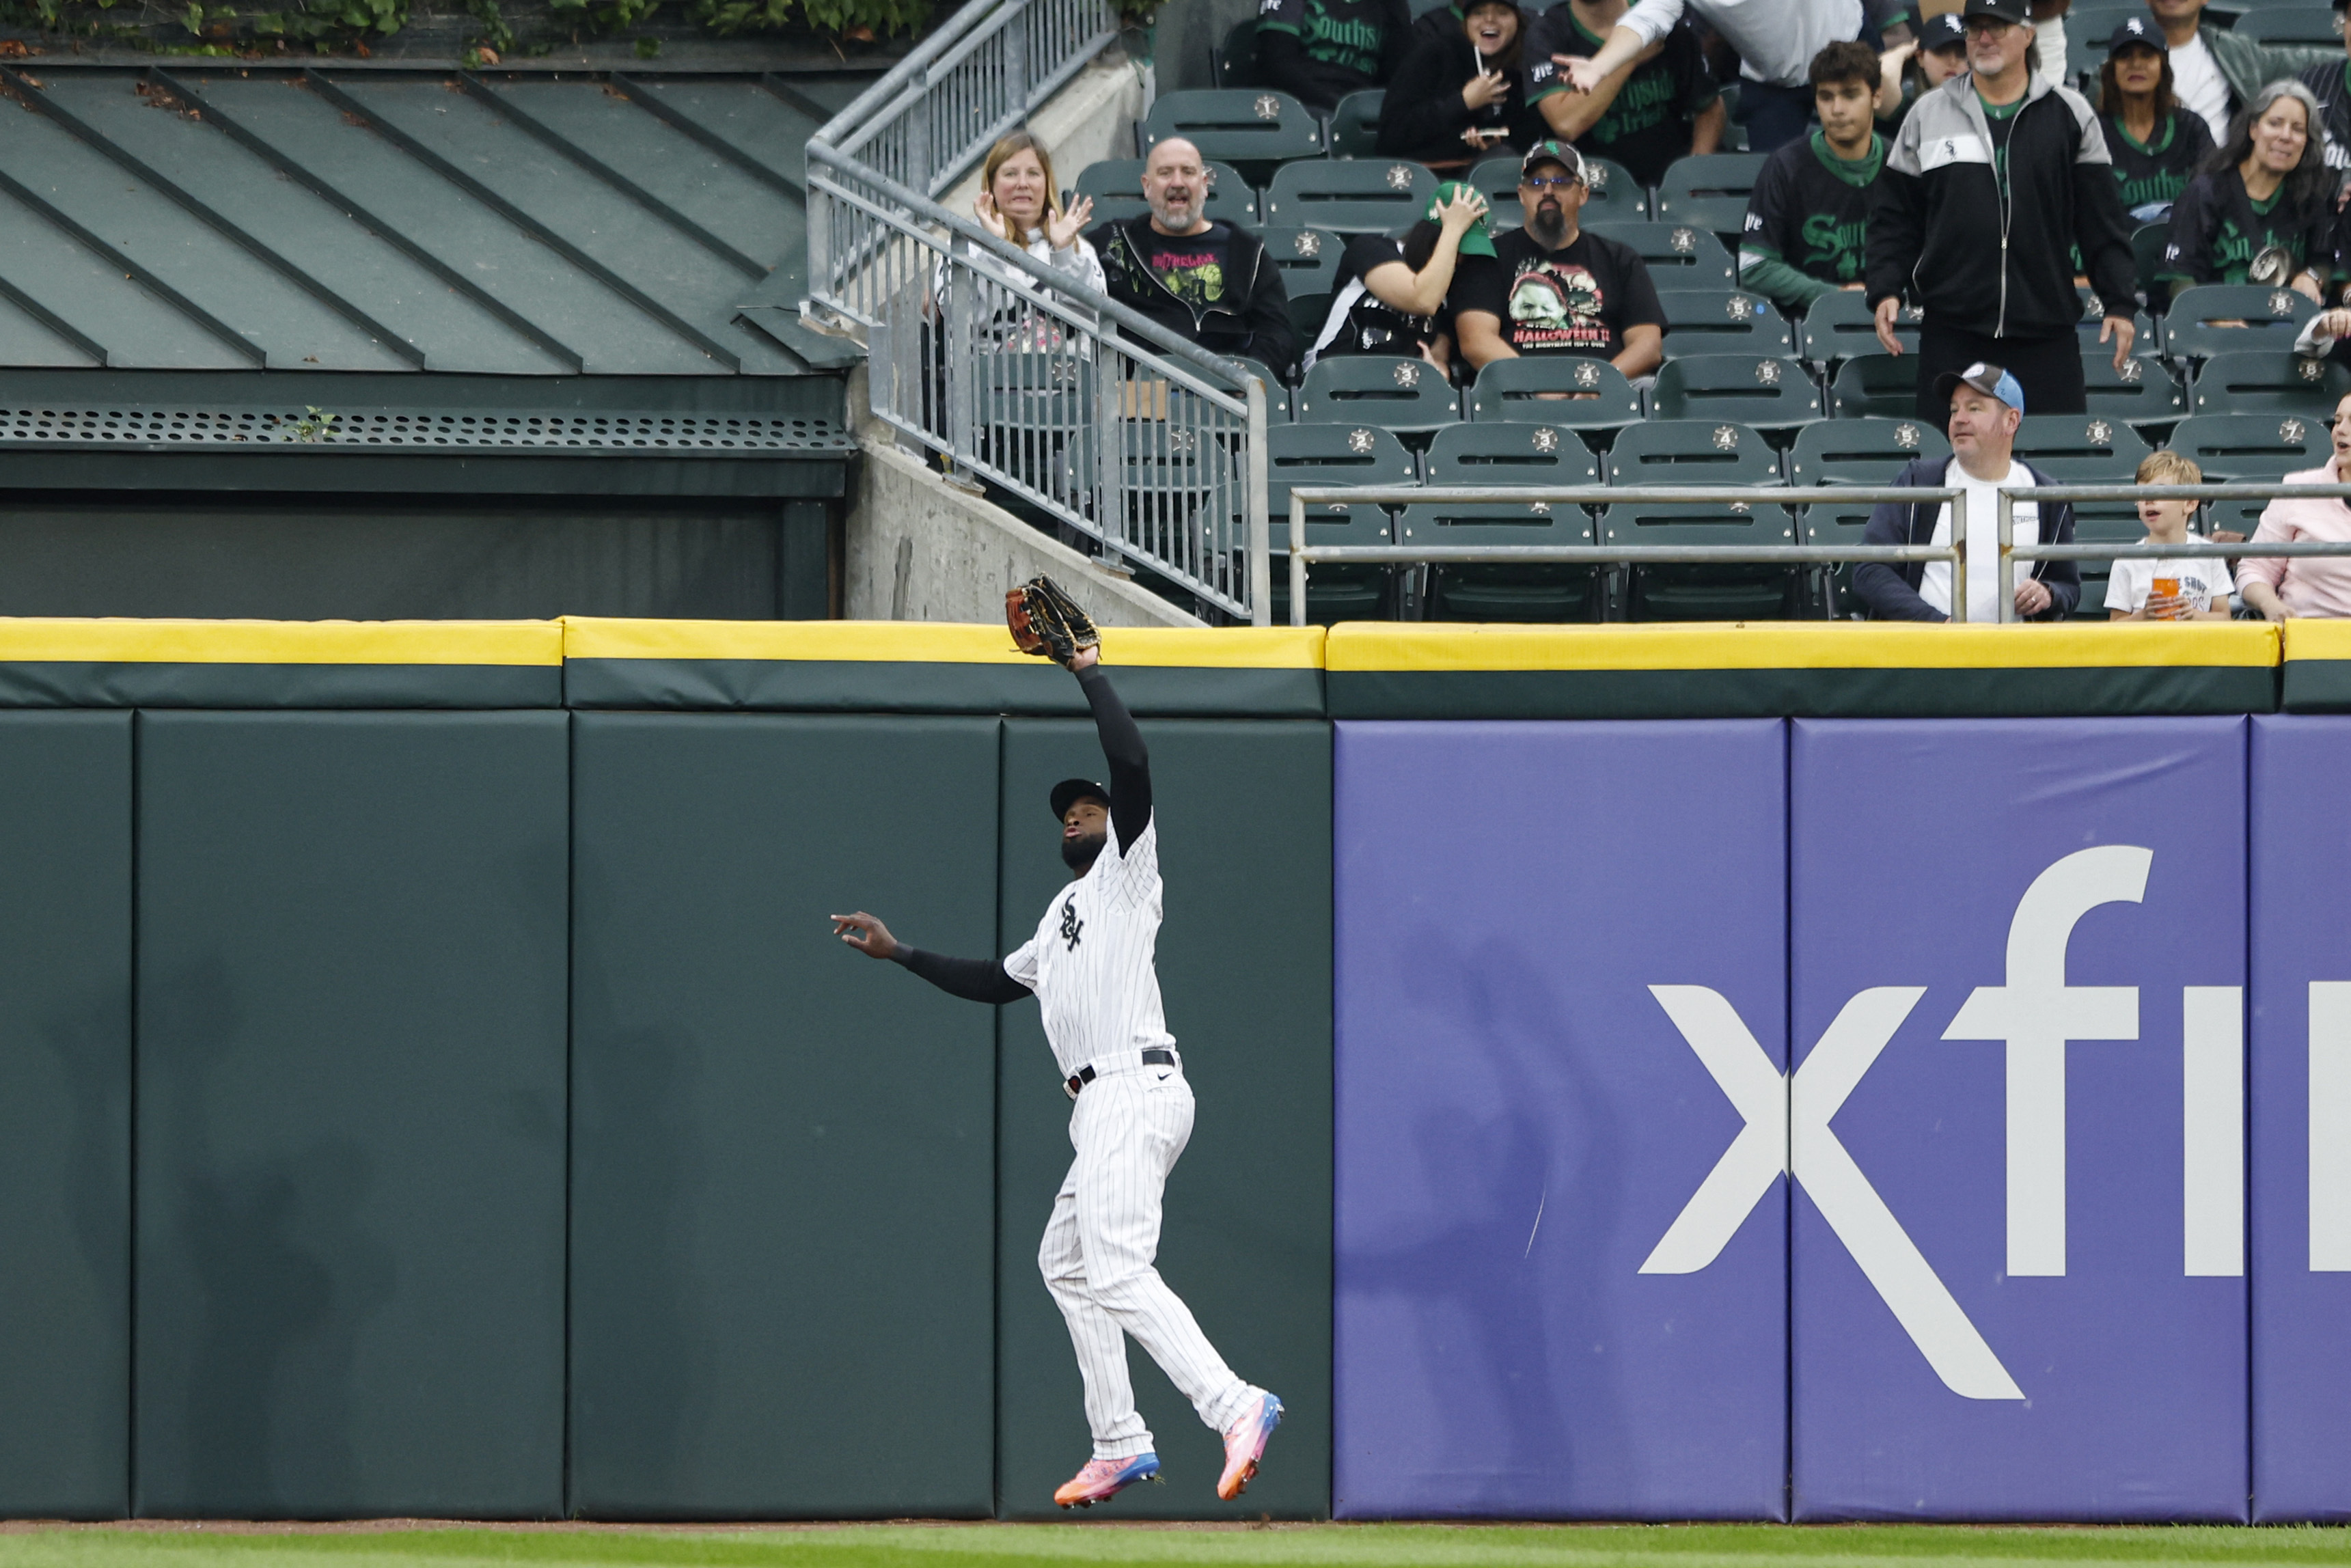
(609, 434)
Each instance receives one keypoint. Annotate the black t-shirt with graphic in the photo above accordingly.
(2152, 174)
(1578, 300)
(1366, 325)
(2217, 230)
(1193, 267)
(1319, 51)
(1649, 125)
(1810, 209)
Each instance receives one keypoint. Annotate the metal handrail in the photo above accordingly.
(2011, 552)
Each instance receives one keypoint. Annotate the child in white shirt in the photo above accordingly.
(2198, 588)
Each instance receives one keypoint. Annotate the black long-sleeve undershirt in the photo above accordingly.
(984, 979)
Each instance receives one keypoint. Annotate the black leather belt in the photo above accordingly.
(1157, 1056)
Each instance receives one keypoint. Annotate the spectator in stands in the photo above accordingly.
(1661, 104)
(1211, 282)
(1775, 41)
(1908, 71)
(2194, 588)
(1459, 96)
(1389, 295)
(2156, 145)
(2262, 209)
(1992, 182)
(1807, 226)
(2277, 587)
(2216, 71)
(1986, 407)
(1319, 51)
(1020, 204)
(1554, 288)
(2330, 82)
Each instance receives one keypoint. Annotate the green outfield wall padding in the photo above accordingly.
(841, 685)
(783, 1152)
(350, 1114)
(1244, 815)
(65, 1115)
(65, 683)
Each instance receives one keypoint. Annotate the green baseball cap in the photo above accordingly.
(1475, 240)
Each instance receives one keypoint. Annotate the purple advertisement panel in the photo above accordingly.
(2017, 1119)
(2301, 1119)
(1561, 1223)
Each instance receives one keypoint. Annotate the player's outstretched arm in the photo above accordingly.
(973, 979)
(1122, 744)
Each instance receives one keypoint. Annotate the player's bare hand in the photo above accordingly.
(1084, 659)
(1888, 309)
(864, 933)
(2122, 329)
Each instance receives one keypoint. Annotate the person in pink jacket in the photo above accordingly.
(2317, 585)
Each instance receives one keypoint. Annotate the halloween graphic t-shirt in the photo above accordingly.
(1577, 299)
(1192, 267)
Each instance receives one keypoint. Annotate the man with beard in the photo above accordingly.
(1552, 288)
(1209, 282)
(1091, 967)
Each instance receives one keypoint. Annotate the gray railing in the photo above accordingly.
(2011, 552)
(1011, 372)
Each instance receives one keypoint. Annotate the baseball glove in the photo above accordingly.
(1047, 621)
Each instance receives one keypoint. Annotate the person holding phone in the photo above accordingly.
(1461, 94)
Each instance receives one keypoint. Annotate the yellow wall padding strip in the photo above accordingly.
(125, 641)
(910, 642)
(2317, 639)
(1378, 645)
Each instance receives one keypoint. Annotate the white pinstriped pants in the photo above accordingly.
(1097, 1256)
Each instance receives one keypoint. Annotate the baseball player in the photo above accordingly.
(1091, 967)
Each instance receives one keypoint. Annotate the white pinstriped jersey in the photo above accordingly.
(1091, 962)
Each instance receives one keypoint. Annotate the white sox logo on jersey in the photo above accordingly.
(1070, 923)
(2035, 1013)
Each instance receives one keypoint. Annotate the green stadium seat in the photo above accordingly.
(1700, 451)
(1599, 397)
(2195, 327)
(2314, 27)
(1309, 259)
(1307, 313)
(1769, 391)
(1841, 325)
(1881, 384)
(1278, 397)
(1255, 130)
(1510, 453)
(2271, 382)
(1355, 124)
(2231, 446)
(1235, 59)
(1496, 591)
(1229, 196)
(1680, 255)
(2080, 449)
(1349, 195)
(2147, 241)
(1118, 209)
(2143, 392)
(2094, 321)
(1861, 451)
(1613, 197)
(1723, 320)
(1399, 395)
(1335, 455)
(1691, 451)
(1708, 189)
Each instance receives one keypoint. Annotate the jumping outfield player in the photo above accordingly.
(1090, 966)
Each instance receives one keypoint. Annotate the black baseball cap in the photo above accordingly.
(2138, 33)
(1943, 30)
(1558, 153)
(1989, 380)
(1070, 792)
(2017, 11)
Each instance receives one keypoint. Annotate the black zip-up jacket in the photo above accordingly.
(1940, 233)
(1892, 591)
(1423, 116)
(1251, 319)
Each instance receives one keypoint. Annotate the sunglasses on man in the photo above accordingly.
(1551, 183)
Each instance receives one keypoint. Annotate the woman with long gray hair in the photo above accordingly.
(2260, 208)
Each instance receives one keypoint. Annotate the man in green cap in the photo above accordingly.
(1556, 288)
(1389, 295)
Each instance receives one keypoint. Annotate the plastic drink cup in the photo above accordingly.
(2166, 587)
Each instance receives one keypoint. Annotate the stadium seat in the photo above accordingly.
(1497, 592)
(2144, 391)
(2230, 446)
(2272, 382)
(1307, 313)
(1700, 451)
(2260, 319)
(1723, 320)
(1861, 451)
(1880, 384)
(2148, 342)
(2314, 27)
(1613, 197)
(1350, 195)
(1229, 196)
(1278, 397)
(1679, 254)
(2080, 448)
(1767, 391)
(1399, 395)
(2147, 241)
(1234, 60)
(1254, 129)
(1335, 455)
(1600, 397)
(1708, 189)
(1309, 259)
(1841, 325)
(1355, 124)
(1510, 453)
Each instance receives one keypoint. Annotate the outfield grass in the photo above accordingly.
(1051, 1546)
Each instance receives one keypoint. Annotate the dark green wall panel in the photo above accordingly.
(350, 1113)
(783, 1152)
(1244, 812)
(65, 1114)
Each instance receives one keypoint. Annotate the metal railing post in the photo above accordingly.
(1261, 526)
(2006, 609)
(1959, 561)
(1297, 561)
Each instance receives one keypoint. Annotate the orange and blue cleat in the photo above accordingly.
(1103, 1479)
(1245, 1444)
